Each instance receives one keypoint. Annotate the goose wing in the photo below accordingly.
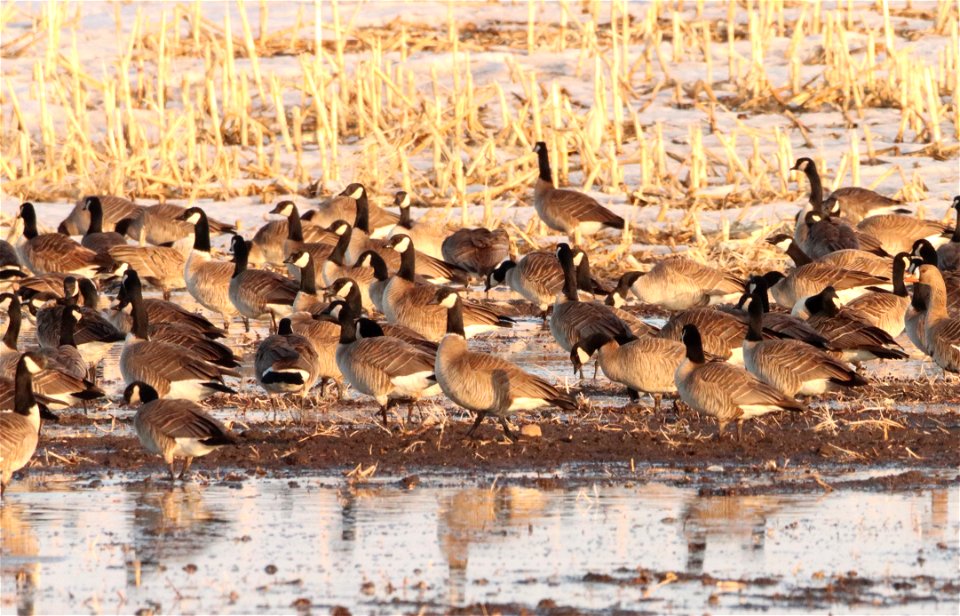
(53, 252)
(392, 356)
(579, 206)
(740, 387)
(183, 419)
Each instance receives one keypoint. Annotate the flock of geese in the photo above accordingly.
(358, 295)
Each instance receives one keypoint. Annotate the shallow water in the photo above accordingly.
(385, 549)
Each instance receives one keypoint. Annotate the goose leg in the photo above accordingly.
(166, 295)
(633, 394)
(739, 430)
(506, 429)
(273, 322)
(246, 325)
(657, 398)
(476, 423)
(186, 467)
(173, 471)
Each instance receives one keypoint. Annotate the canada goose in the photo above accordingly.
(857, 340)
(66, 357)
(334, 267)
(94, 335)
(383, 367)
(826, 234)
(8, 255)
(347, 289)
(478, 250)
(569, 211)
(258, 293)
(20, 430)
(924, 252)
(897, 232)
(428, 238)
(114, 210)
(173, 371)
(792, 366)
(49, 252)
(160, 266)
(174, 428)
(721, 333)
(96, 239)
(307, 299)
(915, 319)
(850, 259)
(942, 335)
(10, 271)
(324, 334)
(158, 312)
(780, 324)
(679, 283)
(270, 241)
(208, 281)
(855, 203)
(408, 303)
(645, 364)
(537, 277)
(573, 320)
(44, 287)
(725, 391)
(344, 207)
(318, 241)
(885, 309)
(810, 279)
(486, 384)
(162, 225)
(286, 362)
(59, 385)
(381, 277)
(949, 254)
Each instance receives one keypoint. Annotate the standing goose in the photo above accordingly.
(381, 277)
(20, 430)
(924, 252)
(537, 277)
(66, 357)
(174, 428)
(849, 259)
(780, 324)
(679, 283)
(885, 309)
(162, 225)
(344, 207)
(43, 253)
(173, 371)
(573, 320)
(159, 312)
(114, 210)
(307, 299)
(316, 240)
(334, 267)
(826, 234)
(487, 384)
(855, 203)
(160, 266)
(269, 244)
(812, 278)
(478, 251)
(793, 367)
(645, 364)
(720, 333)
(942, 333)
(286, 363)
(386, 368)
(96, 239)
(897, 232)
(949, 254)
(208, 281)
(569, 211)
(857, 340)
(323, 332)
(95, 335)
(258, 293)
(59, 385)
(724, 391)
(428, 238)
(408, 302)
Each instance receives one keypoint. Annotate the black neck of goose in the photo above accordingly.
(763, 294)
(544, 162)
(380, 271)
(23, 398)
(308, 278)
(201, 237)
(816, 188)
(339, 252)
(694, 346)
(755, 331)
(141, 324)
(353, 299)
(362, 221)
(955, 238)
(408, 264)
(348, 326)
(455, 319)
(584, 281)
(405, 221)
(818, 304)
(796, 253)
(29, 222)
(15, 317)
(67, 326)
(899, 268)
(91, 299)
(239, 258)
(294, 225)
(96, 217)
(569, 279)
(71, 298)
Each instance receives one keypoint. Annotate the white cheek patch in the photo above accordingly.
(406, 201)
(345, 289)
(577, 259)
(403, 244)
(32, 366)
(584, 358)
(449, 301)
(341, 230)
(302, 260)
(356, 194)
(193, 218)
(335, 311)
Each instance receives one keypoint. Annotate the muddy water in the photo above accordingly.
(271, 545)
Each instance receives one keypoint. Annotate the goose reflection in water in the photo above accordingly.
(19, 555)
(173, 523)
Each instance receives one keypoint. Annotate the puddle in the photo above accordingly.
(276, 546)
